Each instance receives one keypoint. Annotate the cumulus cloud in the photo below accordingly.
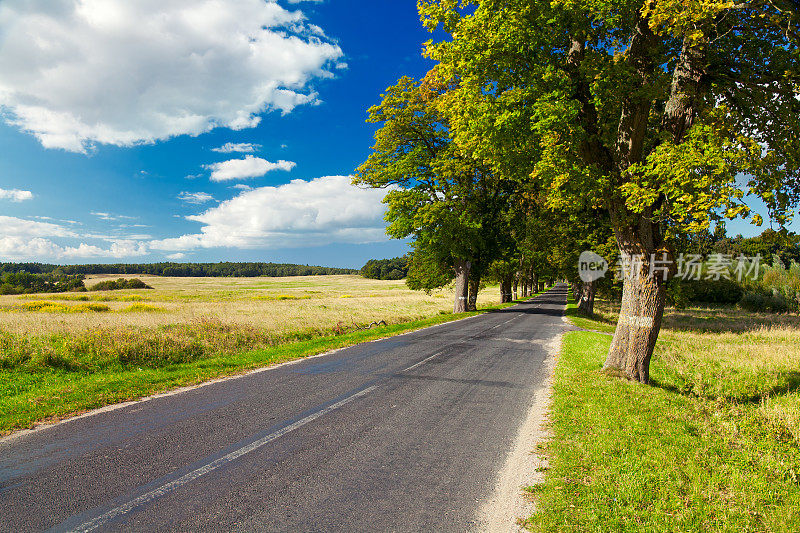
(15, 195)
(77, 73)
(176, 256)
(249, 167)
(38, 248)
(227, 148)
(195, 197)
(22, 239)
(300, 213)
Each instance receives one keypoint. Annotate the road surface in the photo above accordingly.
(404, 434)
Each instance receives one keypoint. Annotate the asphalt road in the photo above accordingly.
(403, 434)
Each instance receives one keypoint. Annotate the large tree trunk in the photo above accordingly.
(637, 329)
(534, 283)
(474, 287)
(516, 286)
(462, 270)
(647, 266)
(638, 234)
(643, 292)
(586, 299)
(505, 290)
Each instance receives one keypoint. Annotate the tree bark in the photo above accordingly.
(534, 283)
(643, 299)
(586, 299)
(474, 287)
(505, 290)
(462, 269)
(516, 285)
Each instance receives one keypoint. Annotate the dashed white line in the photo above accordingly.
(213, 465)
(412, 367)
(506, 322)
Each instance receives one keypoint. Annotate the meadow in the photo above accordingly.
(712, 444)
(64, 353)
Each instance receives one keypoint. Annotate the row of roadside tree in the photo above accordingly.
(627, 127)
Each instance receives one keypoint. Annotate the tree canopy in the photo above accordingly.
(665, 113)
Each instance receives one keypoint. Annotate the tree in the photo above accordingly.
(396, 268)
(663, 112)
(450, 204)
(428, 269)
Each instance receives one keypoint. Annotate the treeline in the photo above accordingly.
(120, 284)
(238, 270)
(771, 245)
(395, 268)
(29, 283)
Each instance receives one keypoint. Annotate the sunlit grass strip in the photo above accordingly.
(712, 447)
(52, 392)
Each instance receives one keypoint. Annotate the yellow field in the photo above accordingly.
(277, 305)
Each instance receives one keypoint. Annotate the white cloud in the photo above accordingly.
(249, 167)
(22, 239)
(38, 249)
(76, 73)
(179, 255)
(227, 148)
(15, 195)
(195, 197)
(111, 217)
(300, 213)
(20, 227)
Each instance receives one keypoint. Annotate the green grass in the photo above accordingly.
(603, 322)
(712, 446)
(47, 385)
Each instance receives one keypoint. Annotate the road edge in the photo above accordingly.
(526, 464)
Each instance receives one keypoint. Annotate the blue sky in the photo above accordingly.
(121, 199)
(194, 130)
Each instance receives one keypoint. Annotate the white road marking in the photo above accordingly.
(506, 322)
(412, 367)
(213, 465)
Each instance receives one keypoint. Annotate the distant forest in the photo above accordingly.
(239, 270)
(396, 268)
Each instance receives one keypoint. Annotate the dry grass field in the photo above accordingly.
(277, 305)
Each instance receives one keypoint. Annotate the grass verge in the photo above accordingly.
(45, 391)
(712, 446)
